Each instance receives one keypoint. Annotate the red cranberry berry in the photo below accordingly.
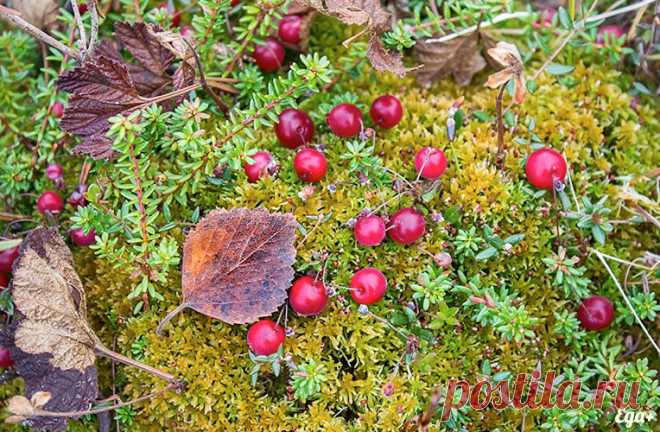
(596, 313)
(50, 202)
(77, 197)
(368, 286)
(310, 165)
(269, 55)
(289, 29)
(545, 18)
(54, 172)
(82, 8)
(4, 280)
(265, 337)
(235, 2)
(57, 109)
(308, 296)
(345, 120)
(7, 258)
(406, 226)
(544, 167)
(5, 358)
(430, 162)
(369, 230)
(294, 128)
(614, 31)
(263, 166)
(79, 237)
(386, 111)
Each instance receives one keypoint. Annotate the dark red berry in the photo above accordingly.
(79, 237)
(263, 166)
(386, 111)
(175, 15)
(77, 197)
(369, 230)
(57, 109)
(289, 29)
(406, 226)
(5, 358)
(269, 55)
(308, 296)
(54, 172)
(235, 2)
(4, 280)
(345, 120)
(596, 313)
(430, 162)
(368, 286)
(82, 8)
(50, 202)
(265, 337)
(310, 165)
(294, 128)
(544, 167)
(7, 258)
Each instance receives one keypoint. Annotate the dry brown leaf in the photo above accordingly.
(507, 56)
(460, 57)
(383, 59)
(39, 13)
(237, 265)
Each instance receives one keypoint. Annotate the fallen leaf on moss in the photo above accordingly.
(237, 265)
(106, 85)
(507, 56)
(383, 59)
(460, 57)
(53, 347)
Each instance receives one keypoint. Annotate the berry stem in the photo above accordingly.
(174, 312)
(501, 155)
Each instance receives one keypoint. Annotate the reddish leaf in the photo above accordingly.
(237, 265)
(106, 85)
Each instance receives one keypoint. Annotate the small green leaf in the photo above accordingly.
(559, 69)
(532, 86)
(486, 253)
(565, 19)
(8, 244)
(482, 116)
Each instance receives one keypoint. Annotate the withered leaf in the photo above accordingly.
(49, 339)
(460, 57)
(383, 59)
(105, 84)
(40, 13)
(237, 264)
(53, 347)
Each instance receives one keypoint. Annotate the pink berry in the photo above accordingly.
(369, 230)
(54, 172)
(265, 337)
(5, 358)
(613, 30)
(544, 167)
(57, 109)
(430, 162)
(345, 120)
(406, 226)
(386, 111)
(596, 313)
(79, 237)
(289, 29)
(269, 56)
(310, 165)
(294, 128)
(7, 258)
(263, 166)
(368, 286)
(50, 202)
(4, 280)
(308, 296)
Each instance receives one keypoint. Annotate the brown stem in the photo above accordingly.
(81, 26)
(168, 318)
(556, 208)
(42, 413)
(14, 17)
(103, 351)
(501, 154)
(138, 10)
(223, 107)
(8, 217)
(257, 22)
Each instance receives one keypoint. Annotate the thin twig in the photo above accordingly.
(237, 56)
(472, 29)
(14, 17)
(102, 350)
(601, 257)
(95, 25)
(202, 78)
(81, 26)
(501, 155)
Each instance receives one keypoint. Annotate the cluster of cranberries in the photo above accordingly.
(7, 258)
(309, 297)
(295, 129)
(269, 56)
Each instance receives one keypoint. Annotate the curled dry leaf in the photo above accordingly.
(374, 18)
(106, 85)
(237, 265)
(40, 13)
(460, 57)
(507, 55)
(53, 347)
